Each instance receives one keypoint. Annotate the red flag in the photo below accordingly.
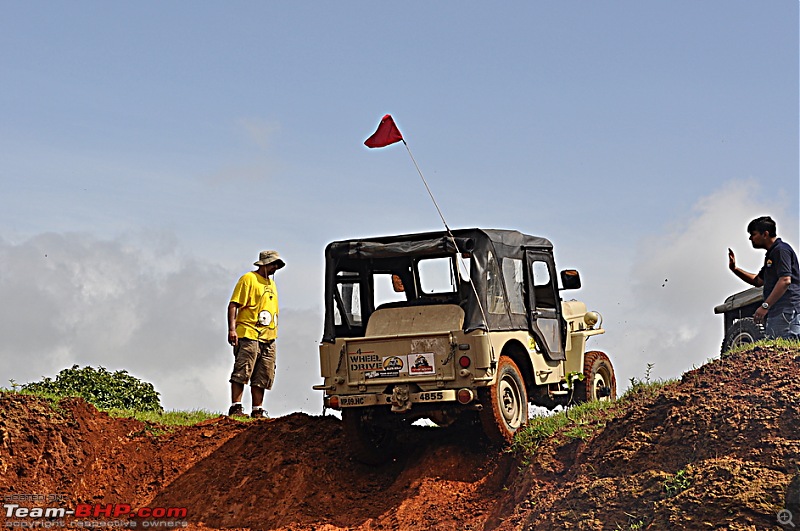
(387, 133)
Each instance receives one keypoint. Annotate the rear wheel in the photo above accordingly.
(742, 332)
(505, 404)
(599, 382)
(371, 440)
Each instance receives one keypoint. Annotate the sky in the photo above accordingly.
(147, 155)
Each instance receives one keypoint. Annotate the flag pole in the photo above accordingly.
(427, 188)
(387, 134)
(458, 251)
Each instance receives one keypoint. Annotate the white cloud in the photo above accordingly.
(141, 304)
(664, 313)
(75, 299)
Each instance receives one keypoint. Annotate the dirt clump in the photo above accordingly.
(718, 450)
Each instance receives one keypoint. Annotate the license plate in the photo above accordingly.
(358, 400)
(447, 395)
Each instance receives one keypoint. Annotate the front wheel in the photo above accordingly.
(505, 404)
(599, 382)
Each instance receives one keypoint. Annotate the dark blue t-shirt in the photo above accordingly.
(781, 261)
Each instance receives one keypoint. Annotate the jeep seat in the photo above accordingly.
(415, 320)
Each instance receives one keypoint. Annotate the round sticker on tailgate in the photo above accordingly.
(392, 363)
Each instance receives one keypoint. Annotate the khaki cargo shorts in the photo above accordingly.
(255, 363)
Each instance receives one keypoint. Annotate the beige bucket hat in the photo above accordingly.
(268, 257)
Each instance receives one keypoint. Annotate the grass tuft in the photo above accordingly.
(577, 422)
(166, 418)
(780, 343)
(582, 421)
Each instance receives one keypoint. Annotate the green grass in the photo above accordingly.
(165, 418)
(778, 342)
(678, 483)
(577, 422)
(583, 420)
(51, 398)
(640, 392)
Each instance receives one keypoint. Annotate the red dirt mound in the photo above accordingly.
(718, 450)
(287, 473)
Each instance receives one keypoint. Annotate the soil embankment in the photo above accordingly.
(718, 450)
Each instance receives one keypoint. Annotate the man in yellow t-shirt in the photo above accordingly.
(252, 329)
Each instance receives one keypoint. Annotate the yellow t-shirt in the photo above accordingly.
(257, 317)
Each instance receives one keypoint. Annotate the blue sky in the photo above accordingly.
(148, 153)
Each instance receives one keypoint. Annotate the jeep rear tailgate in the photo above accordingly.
(400, 358)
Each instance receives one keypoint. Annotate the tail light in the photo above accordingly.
(465, 396)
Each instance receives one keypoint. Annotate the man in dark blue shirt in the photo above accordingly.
(780, 277)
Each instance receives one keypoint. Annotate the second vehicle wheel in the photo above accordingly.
(599, 382)
(505, 404)
(742, 332)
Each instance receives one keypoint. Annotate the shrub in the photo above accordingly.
(103, 389)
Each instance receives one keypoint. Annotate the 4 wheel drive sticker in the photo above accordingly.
(375, 366)
(364, 361)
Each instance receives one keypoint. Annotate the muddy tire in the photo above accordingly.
(505, 404)
(742, 332)
(599, 382)
(370, 441)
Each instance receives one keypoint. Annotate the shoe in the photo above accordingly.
(259, 413)
(236, 410)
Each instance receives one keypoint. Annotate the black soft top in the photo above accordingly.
(352, 255)
(435, 243)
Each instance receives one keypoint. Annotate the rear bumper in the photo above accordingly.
(380, 399)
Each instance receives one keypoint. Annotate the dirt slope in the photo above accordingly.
(718, 450)
(725, 440)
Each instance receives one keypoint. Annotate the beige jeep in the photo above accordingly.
(447, 325)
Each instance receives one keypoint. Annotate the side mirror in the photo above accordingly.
(570, 279)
